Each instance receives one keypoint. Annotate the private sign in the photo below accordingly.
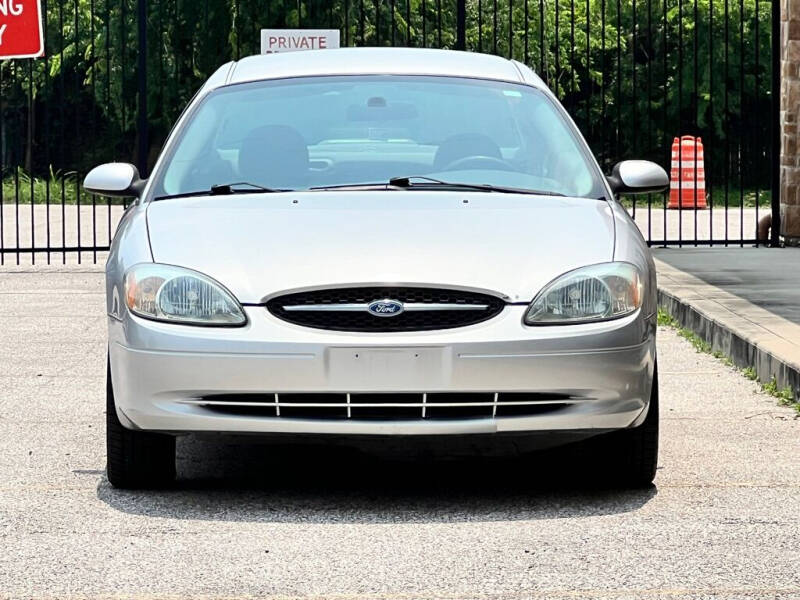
(292, 40)
(21, 29)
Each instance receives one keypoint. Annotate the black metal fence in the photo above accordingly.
(634, 74)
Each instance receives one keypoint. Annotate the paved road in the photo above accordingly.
(734, 223)
(722, 521)
(40, 226)
(765, 277)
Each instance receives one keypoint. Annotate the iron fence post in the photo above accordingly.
(775, 154)
(461, 25)
(142, 121)
(107, 42)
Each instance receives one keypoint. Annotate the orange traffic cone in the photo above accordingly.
(688, 174)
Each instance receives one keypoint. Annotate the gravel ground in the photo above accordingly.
(723, 519)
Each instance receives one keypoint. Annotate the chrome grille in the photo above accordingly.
(420, 309)
(387, 406)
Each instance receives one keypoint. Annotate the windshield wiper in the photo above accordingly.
(430, 182)
(224, 189)
(342, 186)
(229, 188)
(406, 183)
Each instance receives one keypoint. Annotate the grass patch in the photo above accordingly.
(715, 198)
(666, 319)
(695, 340)
(56, 188)
(736, 197)
(722, 357)
(785, 396)
(750, 373)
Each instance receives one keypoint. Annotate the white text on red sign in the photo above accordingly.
(20, 29)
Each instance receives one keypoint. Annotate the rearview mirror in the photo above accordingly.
(114, 179)
(637, 177)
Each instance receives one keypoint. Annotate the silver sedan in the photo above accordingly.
(361, 244)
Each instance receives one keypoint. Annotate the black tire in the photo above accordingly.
(630, 456)
(136, 459)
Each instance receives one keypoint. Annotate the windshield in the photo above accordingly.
(333, 131)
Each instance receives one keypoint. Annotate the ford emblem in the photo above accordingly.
(385, 308)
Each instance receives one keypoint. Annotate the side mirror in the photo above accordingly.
(637, 177)
(114, 179)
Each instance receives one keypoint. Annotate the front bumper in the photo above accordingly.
(158, 367)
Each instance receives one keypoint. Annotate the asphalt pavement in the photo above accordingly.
(722, 521)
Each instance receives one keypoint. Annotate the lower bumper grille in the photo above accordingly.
(387, 406)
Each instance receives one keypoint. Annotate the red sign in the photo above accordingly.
(21, 29)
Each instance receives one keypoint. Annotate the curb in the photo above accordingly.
(742, 350)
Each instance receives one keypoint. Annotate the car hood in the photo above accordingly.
(260, 244)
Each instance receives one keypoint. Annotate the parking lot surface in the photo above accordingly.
(723, 519)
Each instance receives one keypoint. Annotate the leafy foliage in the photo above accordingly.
(633, 73)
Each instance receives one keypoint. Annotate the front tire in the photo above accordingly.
(136, 459)
(631, 455)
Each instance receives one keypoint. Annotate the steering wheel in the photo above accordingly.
(478, 162)
(209, 169)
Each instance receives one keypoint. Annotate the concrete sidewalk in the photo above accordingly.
(744, 301)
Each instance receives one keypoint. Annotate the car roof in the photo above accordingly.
(375, 61)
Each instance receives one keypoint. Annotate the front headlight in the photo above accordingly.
(596, 293)
(177, 295)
